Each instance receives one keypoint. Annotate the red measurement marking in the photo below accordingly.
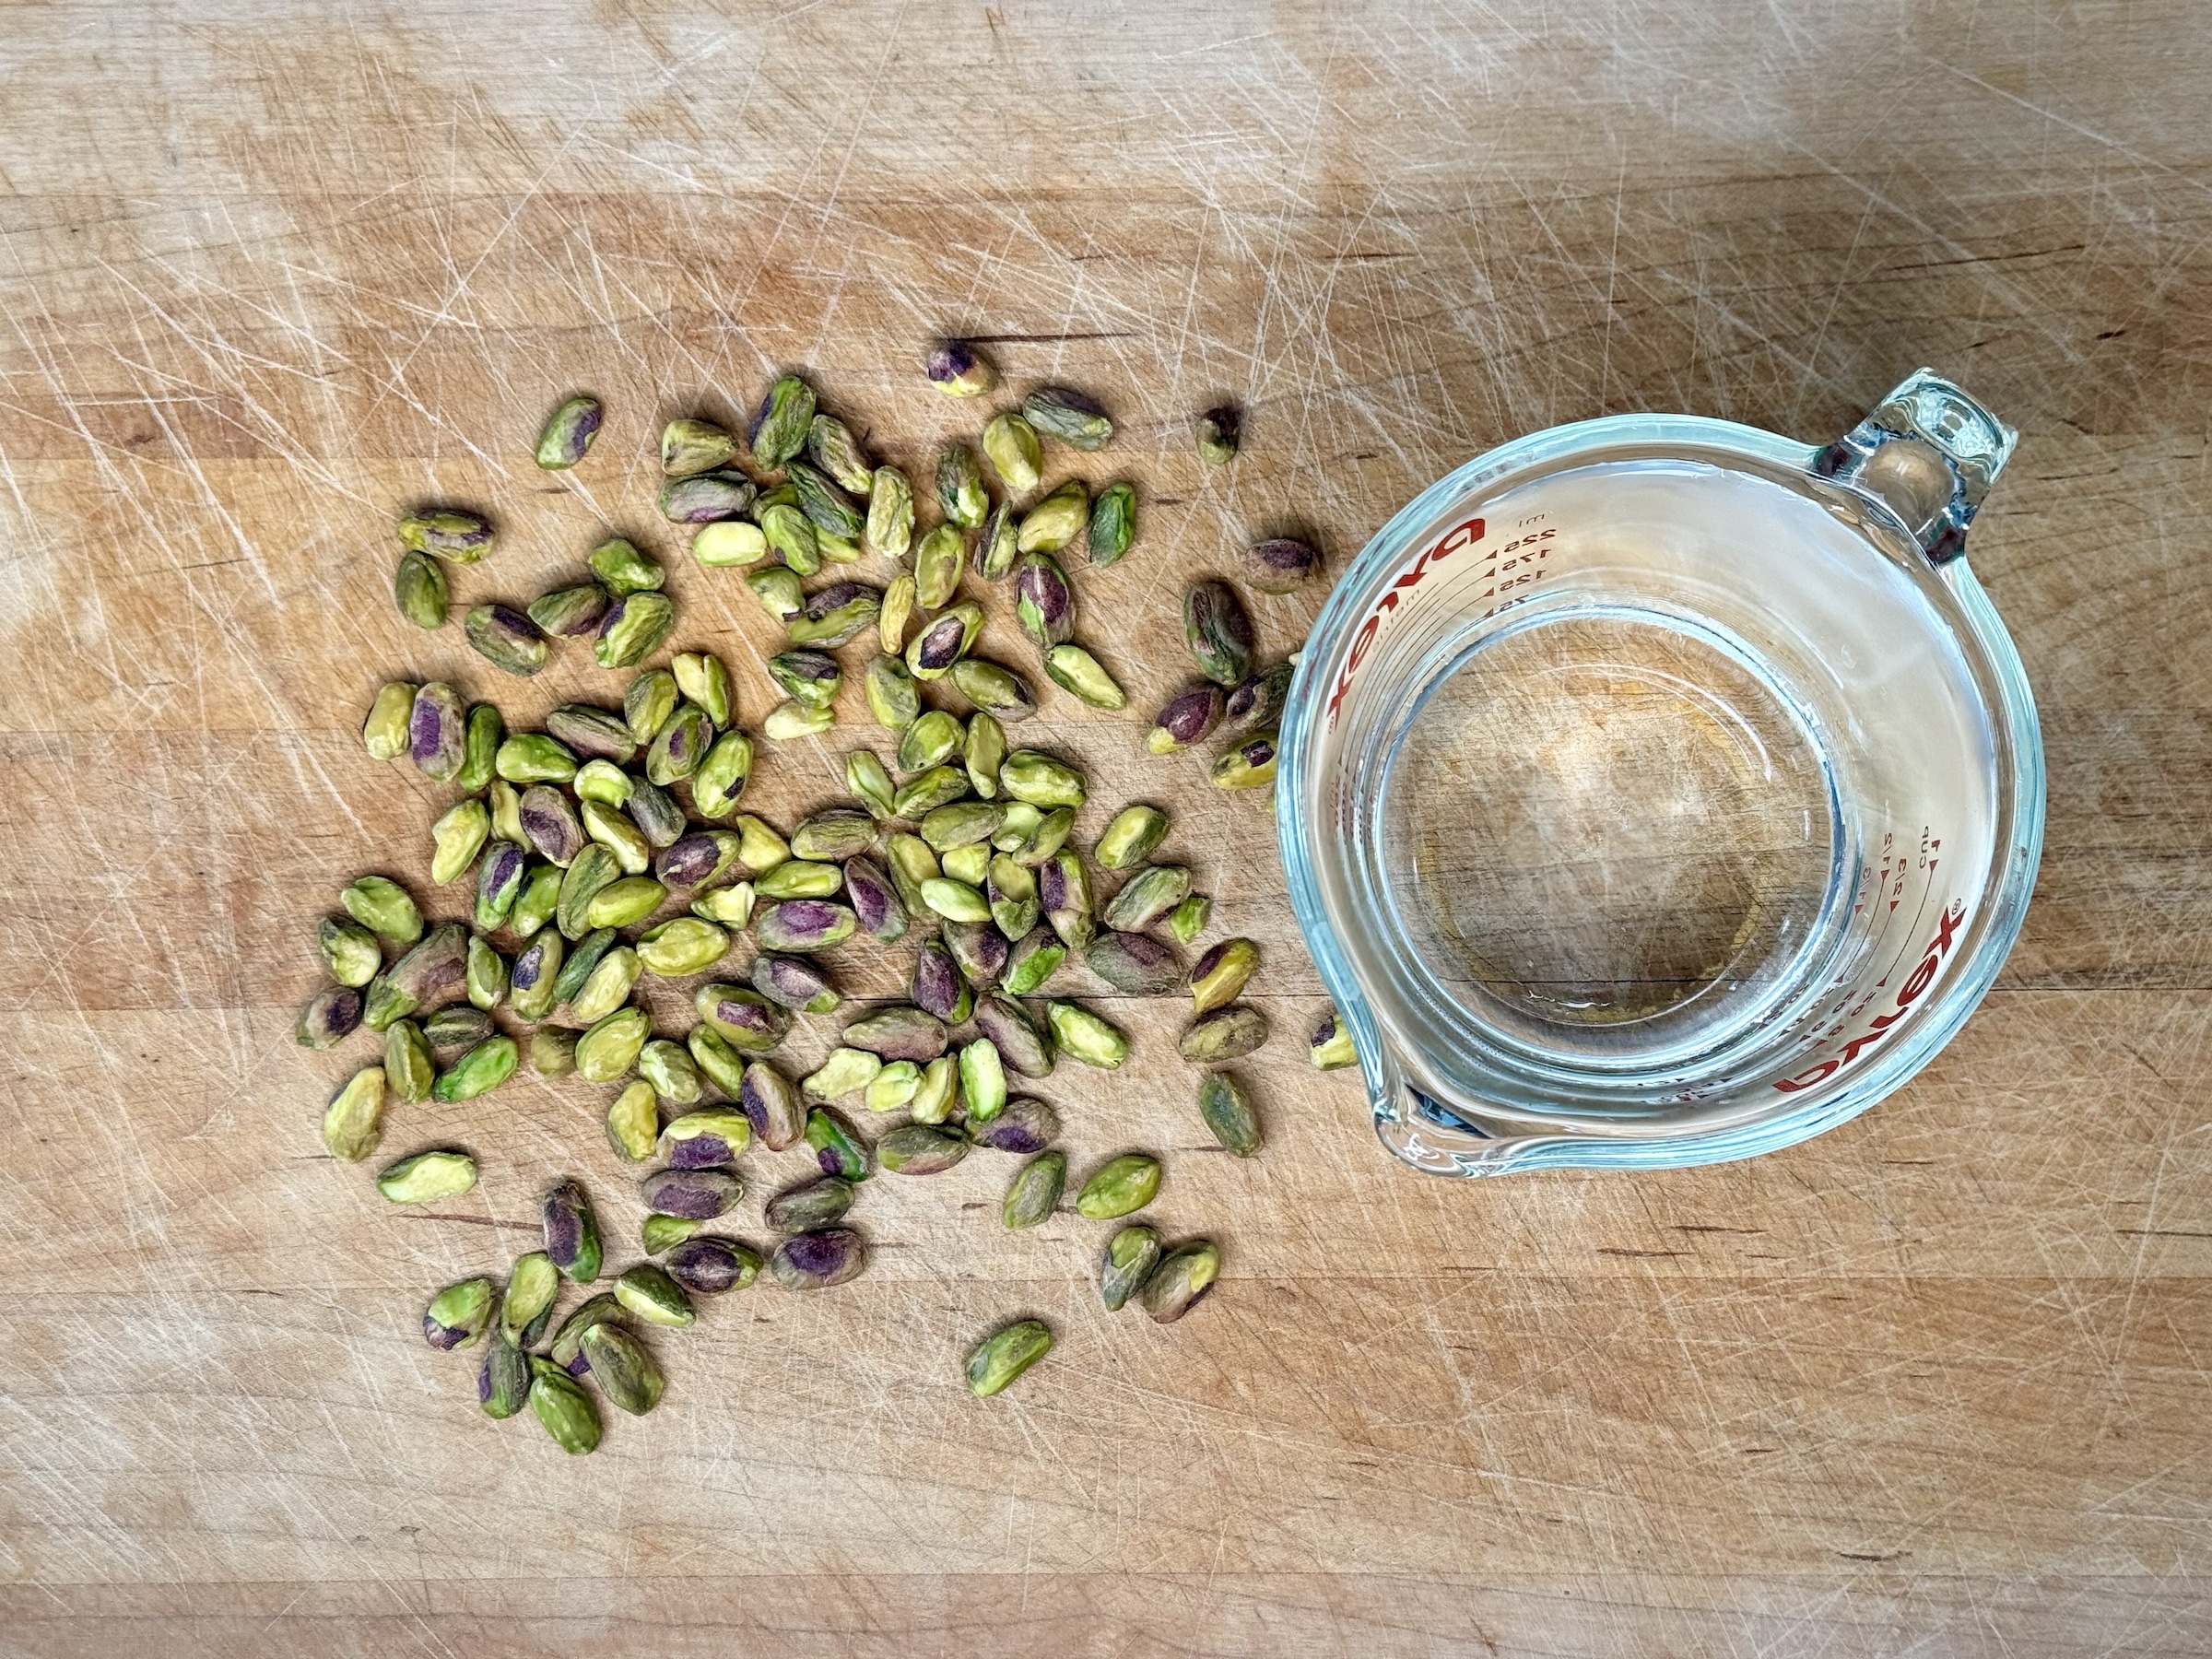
(1458, 537)
(1946, 935)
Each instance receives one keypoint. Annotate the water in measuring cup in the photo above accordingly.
(1622, 833)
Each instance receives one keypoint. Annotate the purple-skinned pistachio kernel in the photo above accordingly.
(704, 497)
(1280, 565)
(980, 949)
(570, 613)
(875, 901)
(436, 970)
(507, 638)
(707, 1265)
(1218, 629)
(438, 732)
(1043, 600)
(938, 986)
(802, 925)
(773, 1105)
(796, 983)
(939, 646)
(549, 824)
(1257, 700)
(956, 370)
(333, 1013)
(897, 1034)
(693, 860)
(1023, 1042)
(592, 732)
(1136, 963)
(1190, 717)
(695, 1194)
(1025, 1126)
(816, 1260)
(741, 1017)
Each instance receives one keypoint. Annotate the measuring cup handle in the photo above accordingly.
(1928, 452)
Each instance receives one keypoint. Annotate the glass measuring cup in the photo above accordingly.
(1657, 789)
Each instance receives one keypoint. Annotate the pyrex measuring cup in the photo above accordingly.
(1658, 790)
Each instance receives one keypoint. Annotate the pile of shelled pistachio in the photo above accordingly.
(608, 846)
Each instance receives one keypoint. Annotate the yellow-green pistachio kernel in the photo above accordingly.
(623, 569)
(1130, 838)
(683, 944)
(870, 783)
(843, 1071)
(1182, 1280)
(671, 1071)
(1004, 1354)
(532, 1287)
(1188, 920)
(478, 1072)
(610, 1048)
(1148, 897)
(625, 902)
(563, 1409)
(937, 560)
(1249, 765)
(893, 697)
(721, 776)
(702, 677)
(731, 906)
(634, 628)
(1121, 1187)
(1014, 451)
(791, 537)
(944, 641)
(960, 494)
(800, 878)
(780, 425)
(728, 544)
(894, 1086)
(609, 986)
(623, 1367)
(553, 1051)
(453, 534)
(690, 446)
(633, 1122)
(486, 974)
(611, 830)
(1222, 974)
(897, 610)
(648, 702)
(535, 905)
(506, 804)
(658, 1234)
(1079, 674)
(460, 1314)
(1042, 779)
(1034, 1192)
(459, 834)
(385, 732)
(969, 865)
(954, 900)
(353, 1120)
(1082, 1035)
(531, 978)
(1128, 1260)
(533, 757)
(648, 1292)
(420, 590)
(1056, 520)
(891, 528)
(929, 741)
(982, 1080)
(792, 719)
(350, 950)
(427, 1177)
(957, 370)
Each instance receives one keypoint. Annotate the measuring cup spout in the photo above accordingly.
(1929, 453)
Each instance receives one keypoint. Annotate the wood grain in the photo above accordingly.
(1933, 1383)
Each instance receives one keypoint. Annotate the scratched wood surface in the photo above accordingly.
(1933, 1383)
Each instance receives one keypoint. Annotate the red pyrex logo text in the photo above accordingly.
(1946, 932)
(1464, 535)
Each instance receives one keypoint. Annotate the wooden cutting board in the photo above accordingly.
(1933, 1383)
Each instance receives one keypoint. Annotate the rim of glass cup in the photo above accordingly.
(1480, 1153)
